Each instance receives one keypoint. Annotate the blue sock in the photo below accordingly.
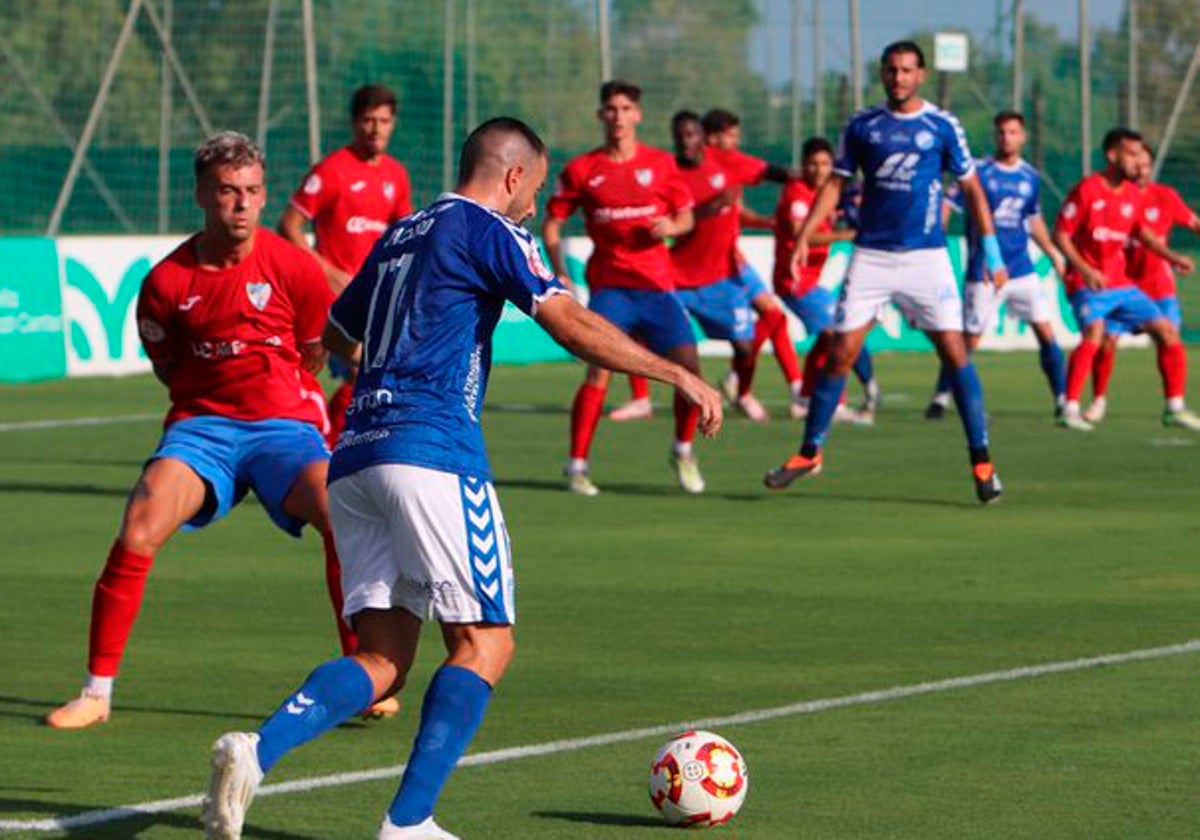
(450, 715)
(332, 693)
(943, 383)
(968, 396)
(864, 368)
(821, 408)
(1055, 368)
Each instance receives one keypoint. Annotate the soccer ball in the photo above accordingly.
(698, 779)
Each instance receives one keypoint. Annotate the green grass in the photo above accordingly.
(644, 607)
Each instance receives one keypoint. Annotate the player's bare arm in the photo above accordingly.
(753, 219)
(1155, 245)
(710, 208)
(823, 205)
(1092, 278)
(1041, 235)
(313, 357)
(599, 343)
(294, 228)
(976, 203)
(552, 240)
(676, 224)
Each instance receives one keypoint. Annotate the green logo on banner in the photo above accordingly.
(112, 313)
(31, 322)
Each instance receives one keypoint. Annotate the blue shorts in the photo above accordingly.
(1168, 307)
(657, 318)
(339, 369)
(233, 456)
(722, 310)
(815, 309)
(752, 285)
(1127, 308)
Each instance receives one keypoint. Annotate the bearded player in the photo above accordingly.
(349, 198)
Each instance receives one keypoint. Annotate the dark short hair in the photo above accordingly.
(620, 87)
(227, 148)
(897, 47)
(1008, 115)
(681, 117)
(815, 145)
(370, 97)
(718, 120)
(1149, 150)
(477, 146)
(1115, 136)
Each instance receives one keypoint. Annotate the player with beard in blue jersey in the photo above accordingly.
(1013, 190)
(414, 511)
(900, 257)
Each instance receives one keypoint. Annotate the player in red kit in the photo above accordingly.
(230, 320)
(723, 130)
(1094, 227)
(632, 199)
(350, 197)
(1162, 209)
(798, 284)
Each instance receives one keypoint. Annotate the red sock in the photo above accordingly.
(639, 387)
(585, 416)
(1078, 368)
(781, 341)
(1172, 364)
(744, 367)
(814, 363)
(333, 582)
(338, 404)
(687, 417)
(1102, 370)
(115, 604)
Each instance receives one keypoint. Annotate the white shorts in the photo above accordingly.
(431, 542)
(1023, 296)
(920, 283)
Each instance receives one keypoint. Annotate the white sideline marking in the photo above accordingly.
(64, 423)
(88, 818)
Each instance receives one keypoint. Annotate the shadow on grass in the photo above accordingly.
(43, 706)
(595, 818)
(62, 489)
(122, 825)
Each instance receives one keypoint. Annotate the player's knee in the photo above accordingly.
(142, 535)
(1165, 335)
(597, 377)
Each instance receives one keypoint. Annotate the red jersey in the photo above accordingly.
(708, 254)
(796, 201)
(619, 201)
(351, 202)
(1162, 209)
(1100, 221)
(232, 336)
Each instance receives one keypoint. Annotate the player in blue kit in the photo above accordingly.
(1013, 190)
(900, 257)
(414, 511)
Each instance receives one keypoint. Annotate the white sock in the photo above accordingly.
(797, 387)
(100, 686)
(1071, 407)
(1176, 404)
(577, 465)
(683, 449)
(943, 398)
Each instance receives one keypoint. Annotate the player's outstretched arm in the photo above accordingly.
(823, 205)
(1092, 278)
(598, 342)
(552, 240)
(336, 342)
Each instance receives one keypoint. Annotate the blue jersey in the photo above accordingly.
(902, 157)
(424, 306)
(1015, 195)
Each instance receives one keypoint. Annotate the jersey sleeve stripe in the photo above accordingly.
(345, 332)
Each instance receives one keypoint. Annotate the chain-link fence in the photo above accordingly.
(142, 81)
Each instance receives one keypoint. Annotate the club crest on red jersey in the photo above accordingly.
(389, 190)
(717, 180)
(259, 294)
(644, 176)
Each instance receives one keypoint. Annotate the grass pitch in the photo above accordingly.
(643, 607)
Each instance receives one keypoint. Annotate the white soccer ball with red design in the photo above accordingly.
(698, 779)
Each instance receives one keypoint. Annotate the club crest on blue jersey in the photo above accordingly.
(259, 294)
